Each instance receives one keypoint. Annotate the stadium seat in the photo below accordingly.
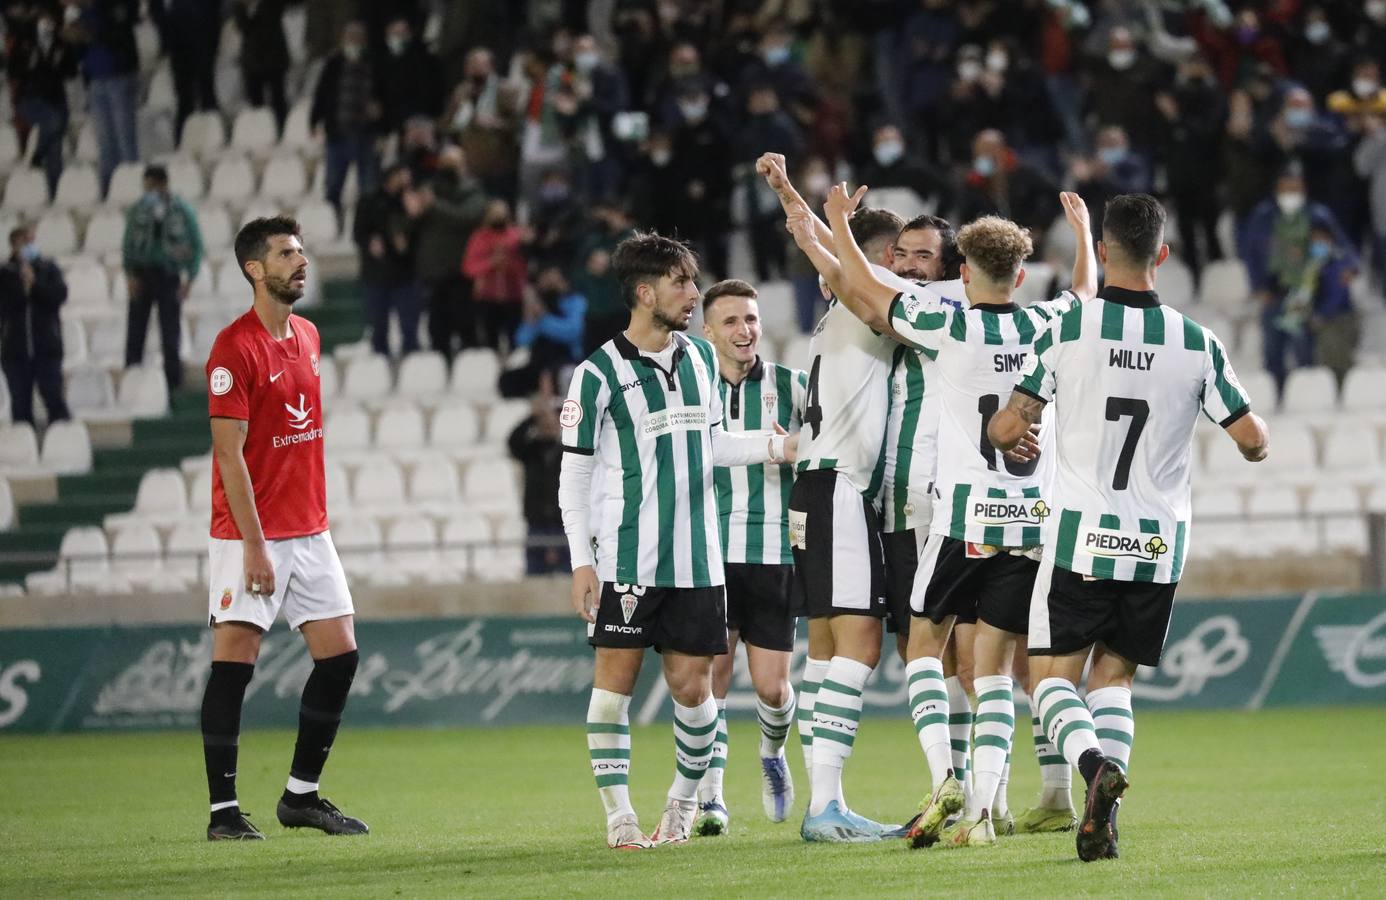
(1218, 503)
(1038, 278)
(1273, 502)
(258, 208)
(367, 378)
(422, 375)
(1176, 285)
(56, 235)
(74, 344)
(1375, 501)
(348, 430)
(318, 222)
(233, 181)
(433, 484)
(474, 374)
(185, 561)
(1293, 450)
(1351, 447)
(1226, 287)
(6, 505)
(143, 392)
(338, 487)
(1333, 500)
(490, 485)
(1311, 390)
(411, 546)
(204, 135)
(185, 179)
(254, 132)
(357, 540)
(88, 292)
(78, 188)
(26, 190)
(901, 200)
(10, 151)
(298, 134)
(285, 179)
(454, 426)
(503, 563)
(127, 184)
(18, 449)
(1345, 534)
(66, 448)
(137, 553)
(466, 538)
(379, 487)
(400, 428)
(328, 383)
(84, 561)
(503, 417)
(1364, 389)
(89, 389)
(161, 499)
(200, 491)
(106, 339)
(1260, 387)
(160, 96)
(105, 232)
(215, 224)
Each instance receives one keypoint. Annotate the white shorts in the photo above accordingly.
(309, 583)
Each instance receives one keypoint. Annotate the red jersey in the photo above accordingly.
(273, 386)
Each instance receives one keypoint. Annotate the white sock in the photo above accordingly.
(1116, 725)
(710, 788)
(608, 745)
(836, 716)
(1001, 804)
(928, 695)
(994, 727)
(774, 725)
(1066, 719)
(960, 731)
(1056, 775)
(296, 786)
(228, 804)
(695, 728)
(814, 670)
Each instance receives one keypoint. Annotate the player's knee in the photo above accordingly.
(340, 668)
(775, 694)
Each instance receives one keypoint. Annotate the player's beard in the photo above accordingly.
(283, 290)
(668, 324)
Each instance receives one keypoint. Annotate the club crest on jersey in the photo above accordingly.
(1109, 543)
(313, 361)
(768, 402)
(1004, 511)
(571, 414)
(226, 599)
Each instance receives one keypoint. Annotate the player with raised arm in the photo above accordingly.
(753, 507)
(1127, 377)
(269, 546)
(981, 554)
(643, 418)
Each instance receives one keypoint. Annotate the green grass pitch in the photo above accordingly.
(1288, 801)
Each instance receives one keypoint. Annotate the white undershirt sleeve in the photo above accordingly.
(574, 500)
(731, 449)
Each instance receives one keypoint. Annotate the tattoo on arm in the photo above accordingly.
(1027, 407)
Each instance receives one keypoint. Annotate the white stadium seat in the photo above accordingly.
(1293, 451)
(490, 484)
(1350, 448)
(1333, 500)
(56, 235)
(778, 315)
(254, 131)
(411, 547)
(26, 190)
(1364, 389)
(1272, 501)
(233, 180)
(367, 378)
(105, 232)
(185, 178)
(162, 497)
(185, 561)
(18, 448)
(88, 291)
(503, 417)
(89, 389)
(475, 373)
(127, 184)
(1260, 387)
(10, 151)
(318, 222)
(1345, 535)
(348, 429)
(400, 428)
(338, 487)
(78, 188)
(328, 382)
(434, 483)
(285, 179)
(143, 392)
(1311, 390)
(422, 374)
(6, 505)
(74, 344)
(204, 135)
(137, 553)
(1226, 287)
(200, 491)
(357, 540)
(454, 426)
(106, 339)
(1218, 502)
(66, 448)
(1176, 286)
(214, 224)
(378, 486)
(796, 353)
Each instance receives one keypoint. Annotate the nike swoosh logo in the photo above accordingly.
(228, 774)
(275, 377)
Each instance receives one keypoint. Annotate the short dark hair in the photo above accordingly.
(1135, 225)
(156, 172)
(252, 241)
(730, 287)
(873, 225)
(952, 256)
(647, 257)
(18, 232)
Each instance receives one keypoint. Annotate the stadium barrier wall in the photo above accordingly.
(1228, 654)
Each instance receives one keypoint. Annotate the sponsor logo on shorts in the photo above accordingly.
(624, 629)
(798, 529)
(226, 599)
(678, 418)
(1109, 543)
(1009, 512)
(571, 414)
(220, 381)
(1357, 651)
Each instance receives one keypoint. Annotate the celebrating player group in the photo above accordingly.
(914, 479)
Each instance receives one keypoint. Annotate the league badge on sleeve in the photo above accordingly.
(571, 414)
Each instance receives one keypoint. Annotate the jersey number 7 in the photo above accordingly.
(1139, 411)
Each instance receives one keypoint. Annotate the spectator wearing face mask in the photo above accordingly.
(410, 78)
(767, 129)
(483, 118)
(1112, 169)
(601, 88)
(32, 292)
(264, 54)
(495, 263)
(40, 69)
(551, 331)
(1000, 183)
(536, 445)
(386, 232)
(346, 112)
(1318, 57)
(1364, 96)
(162, 253)
(1123, 90)
(892, 166)
(1240, 48)
(1370, 36)
(777, 68)
(1320, 146)
(1192, 119)
(1278, 253)
(453, 203)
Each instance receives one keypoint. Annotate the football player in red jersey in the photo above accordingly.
(270, 548)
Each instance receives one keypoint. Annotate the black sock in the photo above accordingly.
(1089, 763)
(324, 698)
(221, 726)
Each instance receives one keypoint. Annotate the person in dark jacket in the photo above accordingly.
(32, 291)
(347, 110)
(893, 166)
(453, 203)
(1194, 114)
(190, 31)
(385, 232)
(766, 129)
(535, 445)
(40, 68)
(410, 78)
(264, 54)
(105, 30)
(1000, 184)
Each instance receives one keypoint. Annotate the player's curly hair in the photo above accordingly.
(995, 246)
(647, 257)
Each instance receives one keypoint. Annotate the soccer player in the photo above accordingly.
(753, 507)
(270, 548)
(985, 531)
(643, 418)
(1127, 377)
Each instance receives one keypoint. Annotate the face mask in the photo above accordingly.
(683, 70)
(969, 70)
(352, 52)
(1320, 250)
(46, 29)
(1290, 203)
(29, 252)
(775, 56)
(1375, 9)
(661, 158)
(888, 152)
(997, 61)
(817, 184)
(693, 112)
(1121, 59)
(1317, 32)
(1365, 87)
(1111, 156)
(153, 198)
(1247, 33)
(984, 166)
(1299, 117)
(396, 45)
(586, 62)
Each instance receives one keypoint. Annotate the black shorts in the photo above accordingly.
(995, 590)
(1069, 613)
(685, 620)
(902, 552)
(835, 534)
(763, 602)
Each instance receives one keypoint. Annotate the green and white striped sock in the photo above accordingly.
(608, 745)
(695, 728)
(1116, 725)
(994, 728)
(1066, 719)
(710, 788)
(960, 731)
(836, 716)
(1001, 804)
(929, 706)
(814, 670)
(774, 725)
(1056, 776)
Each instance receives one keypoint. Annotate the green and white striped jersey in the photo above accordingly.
(1127, 378)
(649, 420)
(847, 397)
(909, 455)
(981, 496)
(753, 501)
